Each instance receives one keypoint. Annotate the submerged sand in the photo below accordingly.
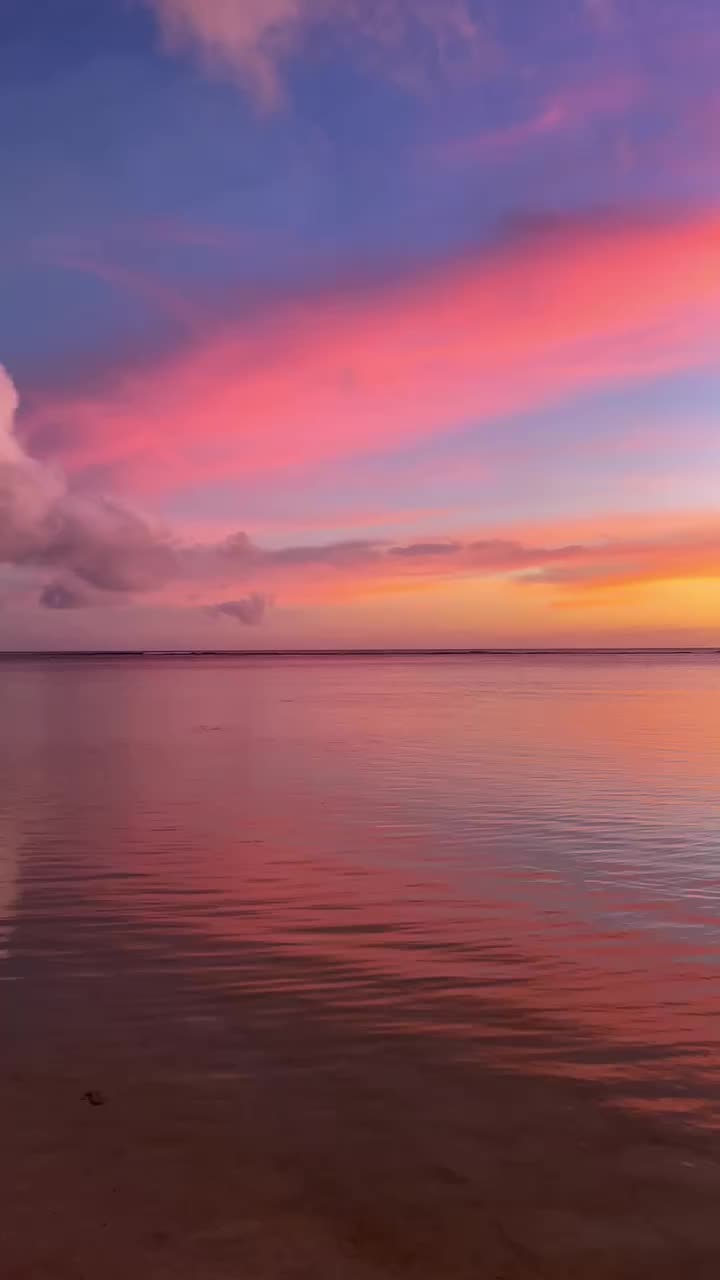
(327, 1152)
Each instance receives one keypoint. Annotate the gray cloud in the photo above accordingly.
(104, 545)
(56, 595)
(95, 548)
(423, 550)
(45, 526)
(499, 554)
(250, 611)
(340, 554)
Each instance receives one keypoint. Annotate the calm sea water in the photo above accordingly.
(513, 857)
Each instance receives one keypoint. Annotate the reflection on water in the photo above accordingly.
(8, 881)
(513, 856)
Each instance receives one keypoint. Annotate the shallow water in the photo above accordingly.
(515, 858)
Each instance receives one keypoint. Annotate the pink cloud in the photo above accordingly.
(158, 296)
(689, 149)
(603, 14)
(243, 38)
(570, 573)
(566, 308)
(81, 552)
(249, 40)
(565, 112)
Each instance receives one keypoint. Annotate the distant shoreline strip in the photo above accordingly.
(19, 655)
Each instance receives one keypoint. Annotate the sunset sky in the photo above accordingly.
(359, 323)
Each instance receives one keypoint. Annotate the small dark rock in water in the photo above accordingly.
(95, 1098)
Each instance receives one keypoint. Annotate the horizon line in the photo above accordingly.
(390, 651)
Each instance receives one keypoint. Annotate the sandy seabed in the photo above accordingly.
(309, 1148)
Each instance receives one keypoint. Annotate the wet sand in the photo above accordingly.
(333, 1153)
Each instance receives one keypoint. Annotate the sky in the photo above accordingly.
(358, 323)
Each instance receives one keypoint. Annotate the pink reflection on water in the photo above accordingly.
(519, 858)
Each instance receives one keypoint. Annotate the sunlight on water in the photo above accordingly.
(511, 856)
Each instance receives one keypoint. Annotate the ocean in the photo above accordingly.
(400, 879)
